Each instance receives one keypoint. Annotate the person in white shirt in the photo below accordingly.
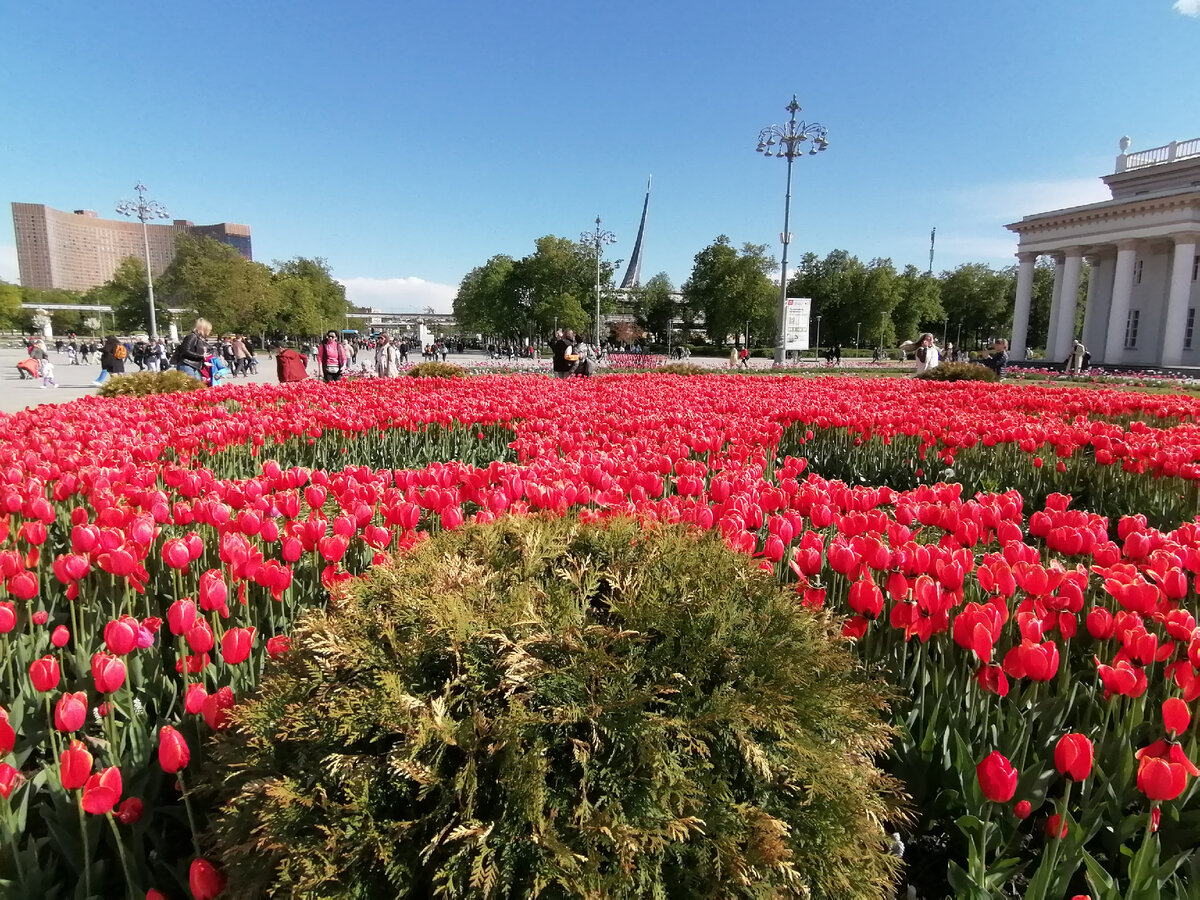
(927, 354)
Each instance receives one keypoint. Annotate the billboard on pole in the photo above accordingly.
(795, 323)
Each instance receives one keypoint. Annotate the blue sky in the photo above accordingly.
(407, 142)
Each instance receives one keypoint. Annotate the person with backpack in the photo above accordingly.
(112, 360)
(331, 357)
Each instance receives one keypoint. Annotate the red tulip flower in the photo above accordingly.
(8, 737)
(71, 711)
(44, 673)
(205, 880)
(200, 636)
(60, 637)
(130, 811)
(173, 752)
(23, 585)
(8, 616)
(193, 700)
(236, 645)
(74, 766)
(121, 635)
(10, 780)
(278, 645)
(997, 777)
(1023, 809)
(108, 672)
(1073, 756)
(1176, 716)
(1163, 770)
(102, 791)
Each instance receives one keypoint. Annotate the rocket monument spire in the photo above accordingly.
(633, 274)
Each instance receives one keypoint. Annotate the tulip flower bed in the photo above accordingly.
(155, 553)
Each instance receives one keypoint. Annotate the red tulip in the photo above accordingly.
(1023, 809)
(74, 766)
(1163, 770)
(60, 636)
(130, 811)
(205, 880)
(236, 644)
(44, 673)
(173, 752)
(213, 594)
(1073, 756)
(8, 737)
(1056, 827)
(8, 616)
(23, 586)
(1176, 716)
(193, 700)
(102, 791)
(200, 636)
(216, 708)
(71, 711)
(108, 672)
(181, 615)
(175, 554)
(121, 635)
(10, 780)
(278, 645)
(997, 777)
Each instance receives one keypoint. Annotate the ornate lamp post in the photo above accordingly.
(817, 351)
(787, 141)
(145, 210)
(595, 240)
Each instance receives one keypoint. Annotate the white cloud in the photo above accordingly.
(9, 270)
(400, 294)
(1187, 7)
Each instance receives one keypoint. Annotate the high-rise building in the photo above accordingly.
(78, 250)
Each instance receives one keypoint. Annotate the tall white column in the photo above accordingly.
(1089, 304)
(1068, 300)
(1118, 313)
(1055, 305)
(1175, 320)
(1020, 332)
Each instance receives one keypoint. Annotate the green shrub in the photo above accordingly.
(682, 368)
(142, 384)
(437, 370)
(959, 371)
(539, 707)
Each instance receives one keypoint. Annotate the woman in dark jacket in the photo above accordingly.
(111, 362)
(192, 352)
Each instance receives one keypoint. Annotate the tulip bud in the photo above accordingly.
(205, 880)
(1176, 716)
(44, 673)
(997, 777)
(74, 766)
(71, 711)
(173, 751)
(60, 637)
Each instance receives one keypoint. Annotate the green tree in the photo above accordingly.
(920, 302)
(126, 292)
(557, 282)
(732, 290)
(488, 300)
(654, 307)
(976, 297)
(309, 299)
(220, 284)
(10, 304)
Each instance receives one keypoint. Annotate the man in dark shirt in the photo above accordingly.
(562, 345)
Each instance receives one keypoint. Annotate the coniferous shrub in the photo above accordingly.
(143, 384)
(437, 370)
(959, 371)
(682, 368)
(539, 707)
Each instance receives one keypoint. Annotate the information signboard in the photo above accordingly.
(795, 323)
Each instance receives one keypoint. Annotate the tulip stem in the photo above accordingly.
(187, 805)
(83, 839)
(129, 890)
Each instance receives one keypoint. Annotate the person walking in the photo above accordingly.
(192, 353)
(112, 360)
(241, 356)
(927, 354)
(290, 365)
(331, 357)
(387, 358)
(1075, 361)
(48, 374)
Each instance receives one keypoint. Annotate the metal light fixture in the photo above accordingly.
(595, 240)
(791, 138)
(145, 210)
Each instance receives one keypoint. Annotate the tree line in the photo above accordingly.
(732, 294)
(206, 278)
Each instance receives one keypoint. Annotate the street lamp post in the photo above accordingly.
(145, 210)
(857, 332)
(786, 141)
(817, 354)
(596, 241)
(945, 330)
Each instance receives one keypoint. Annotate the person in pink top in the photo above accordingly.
(331, 357)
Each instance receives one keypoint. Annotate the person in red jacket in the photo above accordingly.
(290, 365)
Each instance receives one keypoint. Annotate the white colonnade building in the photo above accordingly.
(1143, 287)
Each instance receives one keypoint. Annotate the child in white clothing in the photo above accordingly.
(48, 374)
